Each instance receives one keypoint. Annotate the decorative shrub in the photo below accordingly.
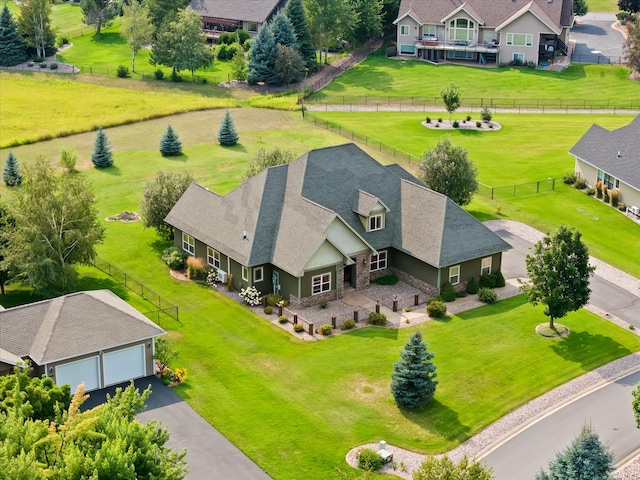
(472, 286)
(622, 207)
(580, 183)
(370, 460)
(605, 194)
(598, 187)
(251, 296)
(273, 300)
(500, 282)
(569, 178)
(487, 295)
(325, 329)
(428, 120)
(212, 277)
(439, 119)
(485, 114)
(386, 280)
(283, 319)
(196, 269)
(615, 198)
(407, 309)
(491, 125)
(53, 66)
(488, 281)
(531, 64)
(448, 293)
(348, 325)
(43, 64)
(437, 125)
(468, 118)
(230, 282)
(159, 74)
(379, 319)
(298, 327)
(122, 71)
(174, 258)
(164, 352)
(502, 65)
(590, 191)
(268, 310)
(436, 309)
(478, 123)
(456, 124)
(180, 375)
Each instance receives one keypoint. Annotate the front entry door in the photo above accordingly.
(276, 282)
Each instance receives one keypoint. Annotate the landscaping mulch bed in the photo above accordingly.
(467, 125)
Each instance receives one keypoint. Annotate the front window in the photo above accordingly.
(213, 257)
(252, 27)
(258, 274)
(404, 30)
(321, 283)
(188, 244)
(245, 273)
(610, 181)
(379, 261)
(454, 275)
(518, 57)
(485, 269)
(376, 222)
(520, 39)
(461, 29)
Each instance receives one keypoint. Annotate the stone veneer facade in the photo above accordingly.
(430, 290)
(322, 297)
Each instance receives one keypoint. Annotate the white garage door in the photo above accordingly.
(86, 370)
(123, 365)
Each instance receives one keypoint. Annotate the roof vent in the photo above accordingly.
(244, 234)
(619, 154)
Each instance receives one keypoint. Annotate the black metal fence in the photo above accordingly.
(530, 188)
(597, 58)
(164, 306)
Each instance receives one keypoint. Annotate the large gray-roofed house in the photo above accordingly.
(92, 337)
(612, 157)
(332, 217)
(230, 15)
(484, 31)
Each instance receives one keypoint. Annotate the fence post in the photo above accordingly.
(416, 300)
(295, 318)
(377, 306)
(355, 316)
(334, 322)
(395, 304)
(311, 329)
(279, 310)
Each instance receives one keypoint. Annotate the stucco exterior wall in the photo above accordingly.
(406, 42)
(526, 24)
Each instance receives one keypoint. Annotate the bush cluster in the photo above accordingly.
(436, 309)
(487, 295)
(485, 114)
(448, 293)
(283, 319)
(492, 280)
(174, 258)
(122, 71)
(348, 324)
(472, 286)
(196, 269)
(275, 299)
(379, 319)
(298, 327)
(268, 310)
(325, 329)
(369, 459)
(251, 296)
(569, 178)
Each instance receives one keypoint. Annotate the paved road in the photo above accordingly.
(609, 412)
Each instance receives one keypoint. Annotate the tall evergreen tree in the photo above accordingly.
(298, 19)
(585, 459)
(11, 173)
(170, 145)
(262, 59)
(282, 31)
(413, 383)
(102, 157)
(12, 48)
(289, 66)
(227, 134)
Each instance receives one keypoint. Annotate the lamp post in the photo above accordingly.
(304, 89)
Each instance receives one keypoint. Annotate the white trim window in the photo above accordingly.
(404, 30)
(252, 27)
(520, 39)
(320, 283)
(518, 57)
(454, 275)
(462, 29)
(188, 243)
(485, 268)
(213, 257)
(378, 262)
(245, 273)
(429, 31)
(258, 274)
(376, 222)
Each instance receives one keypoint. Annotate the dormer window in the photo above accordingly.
(376, 222)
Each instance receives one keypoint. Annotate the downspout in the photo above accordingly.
(299, 288)
(439, 273)
(337, 280)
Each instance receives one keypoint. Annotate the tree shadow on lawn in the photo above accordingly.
(582, 347)
(438, 419)
(108, 38)
(484, 216)
(112, 170)
(93, 283)
(159, 245)
(383, 81)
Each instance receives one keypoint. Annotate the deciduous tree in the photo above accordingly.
(413, 383)
(329, 21)
(265, 159)
(136, 28)
(298, 18)
(585, 459)
(98, 13)
(159, 197)
(635, 404)
(170, 145)
(227, 134)
(7, 224)
(447, 169)
(629, 5)
(11, 173)
(368, 22)
(56, 227)
(35, 25)
(238, 66)
(451, 97)
(580, 8)
(444, 468)
(164, 11)
(632, 45)
(102, 157)
(12, 48)
(559, 272)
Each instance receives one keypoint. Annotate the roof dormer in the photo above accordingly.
(372, 211)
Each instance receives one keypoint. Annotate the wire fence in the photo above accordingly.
(599, 59)
(164, 306)
(529, 188)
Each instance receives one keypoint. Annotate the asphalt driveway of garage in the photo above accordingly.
(210, 455)
(592, 34)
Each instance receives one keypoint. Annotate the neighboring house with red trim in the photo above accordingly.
(484, 31)
(333, 217)
(613, 157)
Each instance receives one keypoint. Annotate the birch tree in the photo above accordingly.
(35, 25)
(136, 28)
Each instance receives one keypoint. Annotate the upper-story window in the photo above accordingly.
(404, 30)
(520, 39)
(461, 29)
(429, 30)
(376, 222)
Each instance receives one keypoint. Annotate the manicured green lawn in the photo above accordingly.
(603, 6)
(378, 76)
(66, 18)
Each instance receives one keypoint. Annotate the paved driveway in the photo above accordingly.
(594, 34)
(210, 455)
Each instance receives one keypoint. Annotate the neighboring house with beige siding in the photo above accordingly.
(483, 31)
(612, 157)
(333, 217)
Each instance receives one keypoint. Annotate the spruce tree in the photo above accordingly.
(298, 19)
(262, 58)
(227, 134)
(282, 31)
(413, 383)
(12, 48)
(170, 145)
(102, 156)
(11, 174)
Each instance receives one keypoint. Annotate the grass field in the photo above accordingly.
(603, 5)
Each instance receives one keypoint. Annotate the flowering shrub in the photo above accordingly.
(180, 375)
(212, 277)
(251, 296)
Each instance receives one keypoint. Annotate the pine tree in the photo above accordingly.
(262, 58)
(282, 31)
(102, 156)
(170, 145)
(227, 134)
(298, 19)
(413, 383)
(11, 174)
(12, 49)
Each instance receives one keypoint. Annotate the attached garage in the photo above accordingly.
(123, 365)
(86, 370)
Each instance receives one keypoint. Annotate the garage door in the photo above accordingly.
(86, 370)
(123, 365)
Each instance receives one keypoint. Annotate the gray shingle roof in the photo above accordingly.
(300, 200)
(72, 325)
(246, 10)
(492, 12)
(599, 147)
